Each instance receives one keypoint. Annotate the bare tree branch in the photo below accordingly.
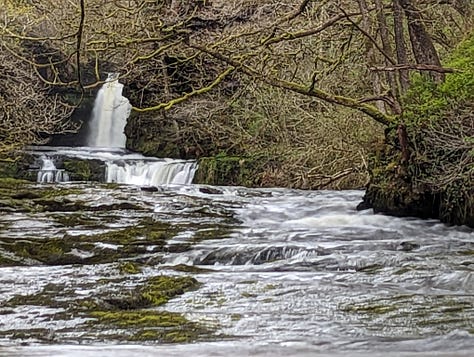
(415, 67)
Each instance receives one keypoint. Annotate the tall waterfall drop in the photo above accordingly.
(109, 115)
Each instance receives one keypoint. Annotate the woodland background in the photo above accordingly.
(294, 93)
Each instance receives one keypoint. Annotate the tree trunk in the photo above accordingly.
(386, 45)
(400, 45)
(423, 48)
(369, 52)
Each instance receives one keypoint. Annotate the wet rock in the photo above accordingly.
(129, 268)
(408, 246)
(146, 325)
(61, 204)
(160, 289)
(150, 189)
(210, 190)
(85, 170)
(26, 195)
(364, 205)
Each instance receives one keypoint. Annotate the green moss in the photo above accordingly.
(372, 309)
(147, 232)
(141, 318)
(85, 170)
(58, 191)
(45, 297)
(12, 183)
(436, 179)
(6, 262)
(129, 268)
(76, 219)
(158, 290)
(427, 100)
(149, 325)
(16, 165)
(230, 170)
(145, 237)
(146, 325)
(189, 269)
(51, 252)
(110, 320)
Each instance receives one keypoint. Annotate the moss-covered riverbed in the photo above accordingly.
(102, 252)
(96, 264)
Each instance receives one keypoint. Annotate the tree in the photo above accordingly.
(194, 70)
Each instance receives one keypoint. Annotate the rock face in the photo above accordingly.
(85, 170)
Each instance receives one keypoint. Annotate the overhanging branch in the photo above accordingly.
(415, 67)
(311, 91)
(186, 96)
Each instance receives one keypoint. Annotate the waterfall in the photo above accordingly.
(121, 166)
(106, 142)
(49, 173)
(109, 115)
(156, 173)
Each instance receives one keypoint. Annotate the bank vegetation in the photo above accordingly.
(264, 93)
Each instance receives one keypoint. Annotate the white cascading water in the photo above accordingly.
(49, 173)
(106, 141)
(109, 115)
(152, 173)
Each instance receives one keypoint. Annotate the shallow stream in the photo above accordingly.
(281, 272)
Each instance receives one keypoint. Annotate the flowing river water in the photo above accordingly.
(281, 273)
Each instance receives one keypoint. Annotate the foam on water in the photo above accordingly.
(282, 272)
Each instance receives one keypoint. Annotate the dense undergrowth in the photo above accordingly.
(436, 176)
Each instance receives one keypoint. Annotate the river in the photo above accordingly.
(281, 272)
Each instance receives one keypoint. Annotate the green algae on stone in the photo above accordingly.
(139, 318)
(149, 325)
(74, 219)
(425, 313)
(84, 169)
(189, 269)
(153, 292)
(138, 323)
(145, 237)
(158, 290)
(146, 232)
(129, 268)
(55, 251)
(6, 261)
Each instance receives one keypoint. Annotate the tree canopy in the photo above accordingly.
(210, 59)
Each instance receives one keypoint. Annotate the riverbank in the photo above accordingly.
(425, 166)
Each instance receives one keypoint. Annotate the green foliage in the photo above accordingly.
(436, 179)
(428, 100)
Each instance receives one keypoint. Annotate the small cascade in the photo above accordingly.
(152, 173)
(121, 166)
(109, 115)
(49, 173)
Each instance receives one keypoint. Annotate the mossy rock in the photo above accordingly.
(129, 268)
(146, 325)
(230, 170)
(18, 166)
(434, 178)
(85, 170)
(139, 324)
(158, 290)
